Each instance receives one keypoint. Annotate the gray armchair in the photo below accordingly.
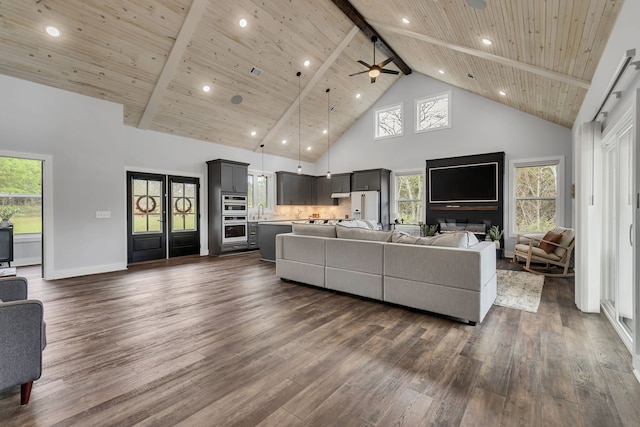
(22, 337)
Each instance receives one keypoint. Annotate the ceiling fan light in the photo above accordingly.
(374, 73)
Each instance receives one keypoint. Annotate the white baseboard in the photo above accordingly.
(637, 374)
(24, 262)
(85, 271)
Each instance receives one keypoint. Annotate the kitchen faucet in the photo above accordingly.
(260, 210)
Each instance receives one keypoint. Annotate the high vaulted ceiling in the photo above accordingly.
(154, 56)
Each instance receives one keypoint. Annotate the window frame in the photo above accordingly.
(417, 101)
(396, 199)
(253, 211)
(376, 116)
(557, 161)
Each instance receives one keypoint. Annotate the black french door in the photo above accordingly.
(161, 223)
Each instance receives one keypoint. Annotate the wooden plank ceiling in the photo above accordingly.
(154, 56)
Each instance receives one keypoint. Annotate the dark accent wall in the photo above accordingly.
(489, 213)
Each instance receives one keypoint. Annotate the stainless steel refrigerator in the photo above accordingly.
(366, 205)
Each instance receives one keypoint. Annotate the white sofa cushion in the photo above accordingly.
(305, 249)
(354, 255)
(320, 230)
(362, 234)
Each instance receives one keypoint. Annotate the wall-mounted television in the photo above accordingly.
(477, 182)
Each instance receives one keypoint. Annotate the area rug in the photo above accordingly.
(519, 290)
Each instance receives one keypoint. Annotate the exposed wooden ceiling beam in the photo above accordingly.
(357, 18)
(310, 85)
(488, 56)
(196, 11)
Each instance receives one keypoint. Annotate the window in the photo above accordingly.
(388, 122)
(433, 113)
(409, 197)
(21, 191)
(258, 193)
(537, 196)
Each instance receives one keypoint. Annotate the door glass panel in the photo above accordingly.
(147, 206)
(183, 206)
(625, 221)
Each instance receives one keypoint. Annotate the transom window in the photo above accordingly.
(537, 200)
(433, 113)
(409, 197)
(388, 121)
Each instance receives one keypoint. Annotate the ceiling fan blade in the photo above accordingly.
(385, 62)
(360, 72)
(373, 79)
(387, 71)
(364, 63)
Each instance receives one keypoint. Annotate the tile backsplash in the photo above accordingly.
(342, 211)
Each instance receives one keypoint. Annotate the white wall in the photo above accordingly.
(90, 150)
(479, 125)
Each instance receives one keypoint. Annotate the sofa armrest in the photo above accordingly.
(22, 336)
(13, 288)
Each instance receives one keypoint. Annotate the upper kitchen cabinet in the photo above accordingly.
(233, 176)
(370, 180)
(324, 189)
(295, 189)
(341, 183)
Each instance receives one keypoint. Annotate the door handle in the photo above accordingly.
(631, 234)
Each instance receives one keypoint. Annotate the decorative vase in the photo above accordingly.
(5, 223)
(497, 243)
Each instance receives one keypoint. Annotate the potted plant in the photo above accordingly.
(427, 230)
(495, 234)
(6, 213)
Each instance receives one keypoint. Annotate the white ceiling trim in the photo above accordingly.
(310, 85)
(485, 55)
(177, 51)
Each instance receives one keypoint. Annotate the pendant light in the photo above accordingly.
(328, 138)
(262, 170)
(299, 129)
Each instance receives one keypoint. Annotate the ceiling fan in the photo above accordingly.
(376, 69)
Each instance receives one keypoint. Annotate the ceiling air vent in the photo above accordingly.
(255, 71)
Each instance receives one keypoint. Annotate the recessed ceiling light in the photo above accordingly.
(441, 71)
(503, 93)
(324, 132)
(477, 4)
(254, 133)
(405, 20)
(52, 31)
(242, 22)
(358, 95)
(487, 42)
(284, 141)
(306, 63)
(308, 148)
(206, 88)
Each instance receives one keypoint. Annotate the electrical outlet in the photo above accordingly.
(103, 214)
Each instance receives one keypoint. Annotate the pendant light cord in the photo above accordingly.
(299, 121)
(328, 134)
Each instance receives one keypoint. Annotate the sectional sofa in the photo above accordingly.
(452, 274)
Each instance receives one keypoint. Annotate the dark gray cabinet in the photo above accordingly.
(369, 180)
(295, 189)
(323, 191)
(341, 183)
(233, 177)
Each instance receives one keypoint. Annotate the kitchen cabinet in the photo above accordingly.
(267, 232)
(252, 235)
(295, 189)
(224, 177)
(341, 183)
(324, 189)
(370, 180)
(233, 177)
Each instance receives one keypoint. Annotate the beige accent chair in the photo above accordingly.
(528, 248)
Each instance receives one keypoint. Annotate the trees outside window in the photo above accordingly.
(537, 202)
(21, 188)
(257, 193)
(409, 197)
(433, 113)
(388, 121)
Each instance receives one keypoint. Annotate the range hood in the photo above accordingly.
(340, 195)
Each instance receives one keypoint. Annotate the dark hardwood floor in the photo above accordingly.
(222, 341)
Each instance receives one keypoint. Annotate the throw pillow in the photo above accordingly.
(402, 237)
(549, 237)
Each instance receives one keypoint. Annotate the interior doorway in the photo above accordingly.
(163, 219)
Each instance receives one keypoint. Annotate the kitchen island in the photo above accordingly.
(267, 231)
